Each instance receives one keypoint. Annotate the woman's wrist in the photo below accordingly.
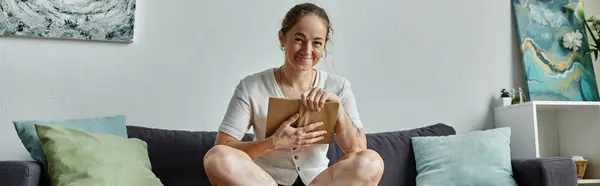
(271, 143)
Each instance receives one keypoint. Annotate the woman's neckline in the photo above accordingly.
(278, 87)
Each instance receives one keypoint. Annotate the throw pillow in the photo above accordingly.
(480, 158)
(26, 131)
(76, 157)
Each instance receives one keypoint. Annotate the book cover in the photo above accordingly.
(280, 109)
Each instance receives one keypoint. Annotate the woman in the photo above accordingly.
(289, 156)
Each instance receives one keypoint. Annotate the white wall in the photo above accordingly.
(412, 64)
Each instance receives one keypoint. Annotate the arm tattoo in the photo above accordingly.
(357, 130)
(354, 125)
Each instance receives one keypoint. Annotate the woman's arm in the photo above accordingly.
(349, 134)
(350, 137)
(254, 149)
(236, 122)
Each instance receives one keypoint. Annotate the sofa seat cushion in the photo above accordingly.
(395, 148)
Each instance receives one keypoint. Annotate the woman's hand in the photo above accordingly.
(287, 136)
(315, 98)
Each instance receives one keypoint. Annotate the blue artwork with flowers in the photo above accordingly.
(553, 40)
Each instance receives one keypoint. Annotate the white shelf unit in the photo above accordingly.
(554, 128)
(589, 181)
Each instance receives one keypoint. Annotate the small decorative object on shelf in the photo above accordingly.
(518, 96)
(581, 164)
(506, 99)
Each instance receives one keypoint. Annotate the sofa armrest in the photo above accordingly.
(551, 171)
(19, 173)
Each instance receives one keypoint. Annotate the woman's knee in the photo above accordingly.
(221, 156)
(368, 164)
(370, 154)
(223, 165)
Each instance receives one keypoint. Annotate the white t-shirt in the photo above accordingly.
(248, 108)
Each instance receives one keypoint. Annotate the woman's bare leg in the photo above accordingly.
(360, 168)
(227, 166)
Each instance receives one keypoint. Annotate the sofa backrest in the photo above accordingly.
(177, 155)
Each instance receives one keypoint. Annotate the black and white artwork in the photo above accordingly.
(98, 20)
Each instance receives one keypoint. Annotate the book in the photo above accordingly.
(281, 109)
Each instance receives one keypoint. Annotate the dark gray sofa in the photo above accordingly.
(176, 158)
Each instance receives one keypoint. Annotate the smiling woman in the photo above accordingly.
(291, 155)
(106, 20)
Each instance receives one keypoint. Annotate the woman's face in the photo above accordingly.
(304, 43)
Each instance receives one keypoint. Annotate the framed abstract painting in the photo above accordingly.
(552, 41)
(97, 20)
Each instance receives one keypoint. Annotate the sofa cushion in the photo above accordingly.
(177, 155)
(76, 157)
(395, 148)
(475, 158)
(27, 134)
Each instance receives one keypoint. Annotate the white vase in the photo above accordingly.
(506, 101)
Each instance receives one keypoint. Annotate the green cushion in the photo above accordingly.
(26, 131)
(76, 157)
(474, 159)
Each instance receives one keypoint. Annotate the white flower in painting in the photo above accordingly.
(577, 9)
(573, 40)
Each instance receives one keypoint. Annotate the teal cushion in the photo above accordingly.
(479, 158)
(115, 125)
